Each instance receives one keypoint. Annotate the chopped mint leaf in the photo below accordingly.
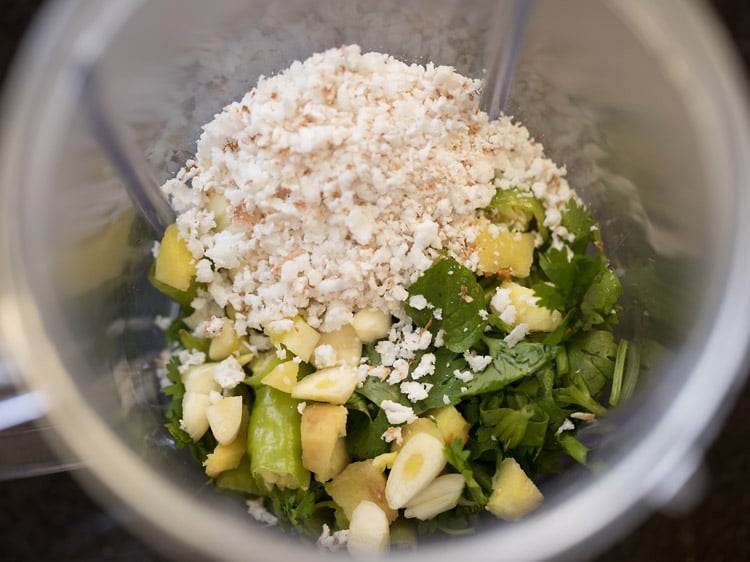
(453, 288)
(509, 364)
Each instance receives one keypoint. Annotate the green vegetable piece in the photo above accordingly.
(305, 511)
(516, 209)
(240, 479)
(274, 441)
(376, 391)
(263, 364)
(582, 286)
(444, 381)
(536, 432)
(561, 361)
(452, 288)
(573, 447)
(193, 343)
(570, 279)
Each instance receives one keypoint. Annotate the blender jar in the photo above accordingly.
(640, 101)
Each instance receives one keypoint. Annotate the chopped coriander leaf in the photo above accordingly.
(458, 458)
(578, 393)
(579, 222)
(364, 434)
(590, 356)
(173, 415)
(599, 304)
(569, 279)
(461, 520)
(510, 425)
(300, 510)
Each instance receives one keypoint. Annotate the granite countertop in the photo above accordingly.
(51, 518)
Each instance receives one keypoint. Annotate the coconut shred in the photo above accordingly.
(344, 177)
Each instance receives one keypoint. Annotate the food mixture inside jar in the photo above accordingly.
(395, 313)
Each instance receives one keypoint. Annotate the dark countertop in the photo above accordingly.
(51, 518)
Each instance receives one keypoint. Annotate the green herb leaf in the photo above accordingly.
(599, 303)
(590, 356)
(509, 365)
(443, 381)
(510, 425)
(578, 393)
(458, 458)
(363, 434)
(579, 222)
(376, 391)
(305, 511)
(173, 415)
(570, 279)
(452, 288)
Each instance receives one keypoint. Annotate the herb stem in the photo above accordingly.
(632, 370)
(615, 393)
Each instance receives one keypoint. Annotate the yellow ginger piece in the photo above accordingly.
(514, 494)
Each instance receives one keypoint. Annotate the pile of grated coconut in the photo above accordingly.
(337, 182)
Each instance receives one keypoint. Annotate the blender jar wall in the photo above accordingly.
(591, 84)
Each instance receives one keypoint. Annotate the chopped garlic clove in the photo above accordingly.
(419, 461)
